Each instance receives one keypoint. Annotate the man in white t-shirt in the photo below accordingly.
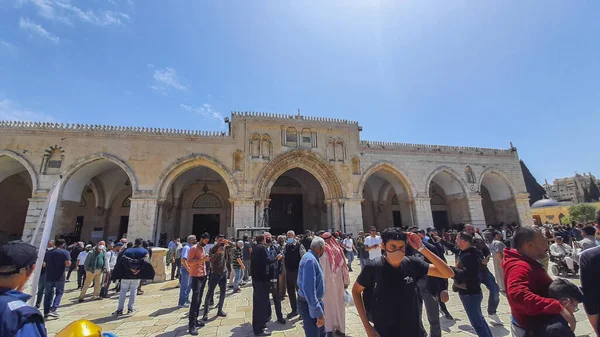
(373, 244)
(349, 250)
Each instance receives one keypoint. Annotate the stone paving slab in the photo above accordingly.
(158, 316)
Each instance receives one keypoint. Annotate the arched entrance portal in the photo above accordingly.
(497, 198)
(448, 198)
(197, 202)
(16, 188)
(94, 201)
(297, 202)
(386, 199)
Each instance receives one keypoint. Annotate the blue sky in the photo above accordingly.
(473, 73)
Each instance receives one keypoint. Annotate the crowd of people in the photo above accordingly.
(402, 271)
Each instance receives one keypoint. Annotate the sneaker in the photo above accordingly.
(222, 314)
(205, 318)
(118, 313)
(183, 306)
(53, 314)
(131, 311)
(448, 316)
(281, 320)
(495, 320)
(80, 300)
(199, 324)
(193, 331)
(292, 314)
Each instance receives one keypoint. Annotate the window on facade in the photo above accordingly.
(291, 136)
(127, 202)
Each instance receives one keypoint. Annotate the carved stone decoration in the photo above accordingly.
(238, 161)
(255, 146)
(340, 150)
(355, 165)
(52, 160)
(469, 175)
(331, 149)
(285, 181)
(207, 201)
(266, 147)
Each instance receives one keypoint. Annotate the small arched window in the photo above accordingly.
(207, 201)
(469, 175)
(355, 166)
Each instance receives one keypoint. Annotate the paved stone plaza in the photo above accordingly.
(158, 315)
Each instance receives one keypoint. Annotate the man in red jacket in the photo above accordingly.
(527, 282)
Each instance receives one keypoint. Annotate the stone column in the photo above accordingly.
(477, 217)
(34, 212)
(422, 212)
(335, 215)
(243, 213)
(159, 263)
(353, 212)
(142, 218)
(523, 209)
(329, 214)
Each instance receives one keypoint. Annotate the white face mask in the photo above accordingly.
(101, 247)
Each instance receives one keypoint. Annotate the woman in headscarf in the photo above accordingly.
(335, 272)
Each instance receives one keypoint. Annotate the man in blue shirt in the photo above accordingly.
(184, 278)
(17, 263)
(56, 261)
(311, 289)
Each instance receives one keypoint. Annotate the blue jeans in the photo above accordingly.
(130, 286)
(308, 323)
(51, 302)
(472, 305)
(238, 277)
(350, 257)
(184, 288)
(40, 291)
(490, 282)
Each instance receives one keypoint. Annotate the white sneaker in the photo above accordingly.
(495, 320)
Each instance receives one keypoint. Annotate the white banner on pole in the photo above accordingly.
(51, 210)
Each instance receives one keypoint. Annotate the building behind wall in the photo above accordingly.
(287, 171)
(576, 189)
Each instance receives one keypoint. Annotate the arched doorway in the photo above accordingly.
(497, 198)
(449, 203)
(197, 201)
(16, 188)
(386, 199)
(297, 202)
(94, 200)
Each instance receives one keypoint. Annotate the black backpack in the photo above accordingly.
(370, 294)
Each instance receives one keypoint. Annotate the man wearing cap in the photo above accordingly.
(95, 263)
(17, 263)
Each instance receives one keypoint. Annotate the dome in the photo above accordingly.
(545, 203)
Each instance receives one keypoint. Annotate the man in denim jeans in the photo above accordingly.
(55, 260)
(311, 289)
(184, 276)
(130, 281)
(468, 283)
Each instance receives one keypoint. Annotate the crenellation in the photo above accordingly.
(432, 148)
(268, 115)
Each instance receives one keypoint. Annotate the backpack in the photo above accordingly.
(370, 294)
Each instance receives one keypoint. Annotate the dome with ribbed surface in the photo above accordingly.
(545, 203)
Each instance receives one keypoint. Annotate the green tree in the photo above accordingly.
(565, 220)
(582, 212)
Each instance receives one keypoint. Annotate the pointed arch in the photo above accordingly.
(453, 174)
(505, 188)
(389, 168)
(32, 174)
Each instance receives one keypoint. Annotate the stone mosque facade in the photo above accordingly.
(282, 171)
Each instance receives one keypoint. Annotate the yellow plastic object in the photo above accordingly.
(81, 328)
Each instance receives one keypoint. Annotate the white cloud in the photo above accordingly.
(63, 11)
(7, 45)
(13, 111)
(34, 28)
(206, 111)
(165, 79)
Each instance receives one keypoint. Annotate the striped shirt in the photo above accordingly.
(237, 254)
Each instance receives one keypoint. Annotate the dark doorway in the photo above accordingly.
(285, 213)
(397, 218)
(123, 226)
(206, 223)
(440, 219)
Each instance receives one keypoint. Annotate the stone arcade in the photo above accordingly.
(300, 172)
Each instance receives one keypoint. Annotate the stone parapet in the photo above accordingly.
(110, 129)
(434, 149)
(276, 116)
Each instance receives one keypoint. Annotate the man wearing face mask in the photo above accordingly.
(17, 318)
(385, 291)
(292, 254)
(274, 270)
(196, 261)
(94, 265)
(311, 290)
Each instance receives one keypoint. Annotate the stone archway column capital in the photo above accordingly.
(522, 196)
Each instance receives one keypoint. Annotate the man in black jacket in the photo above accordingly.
(292, 253)
(261, 308)
(467, 281)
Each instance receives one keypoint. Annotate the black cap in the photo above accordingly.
(16, 255)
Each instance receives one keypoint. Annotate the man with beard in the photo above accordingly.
(196, 261)
(385, 290)
(261, 308)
